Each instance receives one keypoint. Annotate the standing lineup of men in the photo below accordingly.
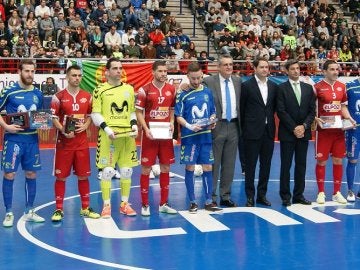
(214, 114)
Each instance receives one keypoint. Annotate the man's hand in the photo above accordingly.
(299, 131)
(13, 128)
(148, 134)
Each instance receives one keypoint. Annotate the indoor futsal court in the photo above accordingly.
(277, 237)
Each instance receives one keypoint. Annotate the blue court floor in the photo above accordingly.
(296, 237)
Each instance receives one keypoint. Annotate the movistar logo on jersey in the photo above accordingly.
(196, 112)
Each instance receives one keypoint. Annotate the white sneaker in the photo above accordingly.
(165, 208)
(117, 174)
(99, 176)
(351, 196)
(338, 197)
(171, 175)
(321, 198)
(33, 217)
(145, 210)
(8, 220)
(151, 175)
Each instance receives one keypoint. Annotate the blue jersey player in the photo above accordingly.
(194, 110)
(21, 146)
(353, 136)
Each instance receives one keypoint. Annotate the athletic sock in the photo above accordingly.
(84, 190)
(189, 183)
(337, 174)
(125, 189)
(320, 177)
(350, 174)
(164, 180)
(30, 192)
(7, 190)
(144, 188)
(105, 190)
(207, 185)
(59, 193)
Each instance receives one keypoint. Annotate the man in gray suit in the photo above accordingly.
(226, 92)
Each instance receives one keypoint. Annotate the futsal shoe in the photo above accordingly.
(165, 208)
(145, 210)
(351, 196)
(126, 209)
(193, 208)
(321, 198)
(58, 215)
(117, 174)
(89, 212)
(106, 212)
(151, 175)
(8, 220)
(338, 197)
(171, 175)
(33, 217)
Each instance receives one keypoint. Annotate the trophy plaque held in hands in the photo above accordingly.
(21, 119)
(333, 121)
(41, 119)
(70, 124)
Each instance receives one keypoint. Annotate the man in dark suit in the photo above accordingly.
(226, 92)
(257, 104)
(296, 112)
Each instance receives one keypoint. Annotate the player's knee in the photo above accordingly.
(9, 176)
(126, 172)
(108, 173)
(30, 174)
(353, 161)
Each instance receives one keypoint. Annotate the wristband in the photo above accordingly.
(133, 122)
(103, 125)
(108, 131)
(188, 126)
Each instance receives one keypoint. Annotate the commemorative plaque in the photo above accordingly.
(41, 119)
(20, 119)
(70, 124)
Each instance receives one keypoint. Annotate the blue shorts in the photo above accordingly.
(14, 153)
(191, 154)
(352, 140)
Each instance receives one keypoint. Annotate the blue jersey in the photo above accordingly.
(195, 106)
(14, 99)
(353, 94)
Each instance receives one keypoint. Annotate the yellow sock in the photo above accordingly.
(125, 189)
(105, 190)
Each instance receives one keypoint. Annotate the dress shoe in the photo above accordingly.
(263, 201)
(286, 203)
(250, 202)
(302, 201)
(227, 203)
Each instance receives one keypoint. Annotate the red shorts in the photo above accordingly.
(79, 160)
(150, 149)
(330, 142)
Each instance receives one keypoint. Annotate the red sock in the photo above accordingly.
(320, 177)
(84, 190)
(337, 173)
(59, 193)
(164, 187)
(144, 189)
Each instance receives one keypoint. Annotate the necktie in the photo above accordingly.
(228, 100)
(297, 92)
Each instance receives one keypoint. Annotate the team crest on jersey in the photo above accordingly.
(339, 89)
(83, 100)
(168, 93)
(335, 106)
(35, 99)
(159, 113)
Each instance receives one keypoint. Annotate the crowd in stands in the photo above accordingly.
(46, 29)
(145, 29)
(307, 30)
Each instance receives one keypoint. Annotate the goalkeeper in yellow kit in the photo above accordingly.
(114, 112)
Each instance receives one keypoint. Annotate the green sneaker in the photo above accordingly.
(58, 215)
(89, 212)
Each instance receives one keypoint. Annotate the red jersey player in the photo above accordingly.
(331, 101)
(155, 103)
(72, 150)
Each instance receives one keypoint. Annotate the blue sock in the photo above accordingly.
(207, 185)
(350, 174)
(189, 183)
(7, 190)
(30, 192)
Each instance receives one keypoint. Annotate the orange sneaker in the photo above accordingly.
(126, 209)
(106, 212)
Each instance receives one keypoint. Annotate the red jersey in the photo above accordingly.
(155, 102)
(330, 98)
(81, 4)
(65, 104)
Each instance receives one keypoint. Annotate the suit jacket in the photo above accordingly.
(291, 114)
(254, 112)
(213, 83)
